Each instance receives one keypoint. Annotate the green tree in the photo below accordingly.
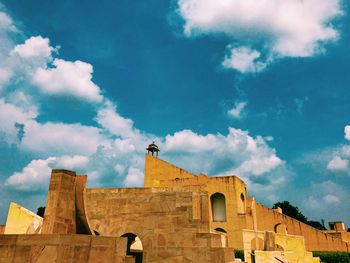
(290, 210)
(293, 211)
(316, 225)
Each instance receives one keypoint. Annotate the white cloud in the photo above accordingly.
(259, 165)
(337, 164)
(244, 60)
(34, 47)
(6, 23)
(68, 78)
(325, 200)
(76, 162)
(216, 154)
(134, 177)
(61, 138)
(284, 27)
(119, 168)
(331, 199)
(347, 132)
(113, 122)
(237, 111)
(5, 75)
(34, 176)
(10, 115)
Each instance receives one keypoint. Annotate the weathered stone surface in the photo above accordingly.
(61, 248)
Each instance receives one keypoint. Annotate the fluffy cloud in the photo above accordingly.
(134, 177)
(114, 123)
(68, 78)
(35, 176)
(337, 164)
(284, 27)
(325, 199)
(216, 154)
(34, 47)
(347, 132)
(76, 162)
(258, 165)
(5, 75)
(61, 138)
(10, 117)
(6, 23)
(237, 111)
(331, 199)
(244, 60)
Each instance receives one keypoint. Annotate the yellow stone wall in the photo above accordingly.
(60, 211)
(22, 221)
(159, 173)
(171, 225)
(286, 247)
(249, 215)
(55, 248)
(343, 235)
(315, 240)
(290, 257)
(157, 169)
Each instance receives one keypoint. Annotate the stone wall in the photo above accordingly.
(268, 219)
(173, 226)
(62, 249)
(232, 187)
(60, 211)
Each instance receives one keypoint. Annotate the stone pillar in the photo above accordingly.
(60, 212)
(270, 244)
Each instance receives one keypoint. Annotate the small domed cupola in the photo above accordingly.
(153, 148)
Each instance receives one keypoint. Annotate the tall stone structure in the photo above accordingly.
(60, 212)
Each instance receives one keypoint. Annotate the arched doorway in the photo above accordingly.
(218, 207)
(134, 246)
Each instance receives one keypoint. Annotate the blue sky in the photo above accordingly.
(224, 87)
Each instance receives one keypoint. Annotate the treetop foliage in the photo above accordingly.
(293, 211)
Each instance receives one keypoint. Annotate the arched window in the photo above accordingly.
(280, 229)
(218, 207)
(241, 204)
(134, 246)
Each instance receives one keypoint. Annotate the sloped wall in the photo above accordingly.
(315, 240)
(22, 221)
(157, 169)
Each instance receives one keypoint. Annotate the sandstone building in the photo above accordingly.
(176, 217)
